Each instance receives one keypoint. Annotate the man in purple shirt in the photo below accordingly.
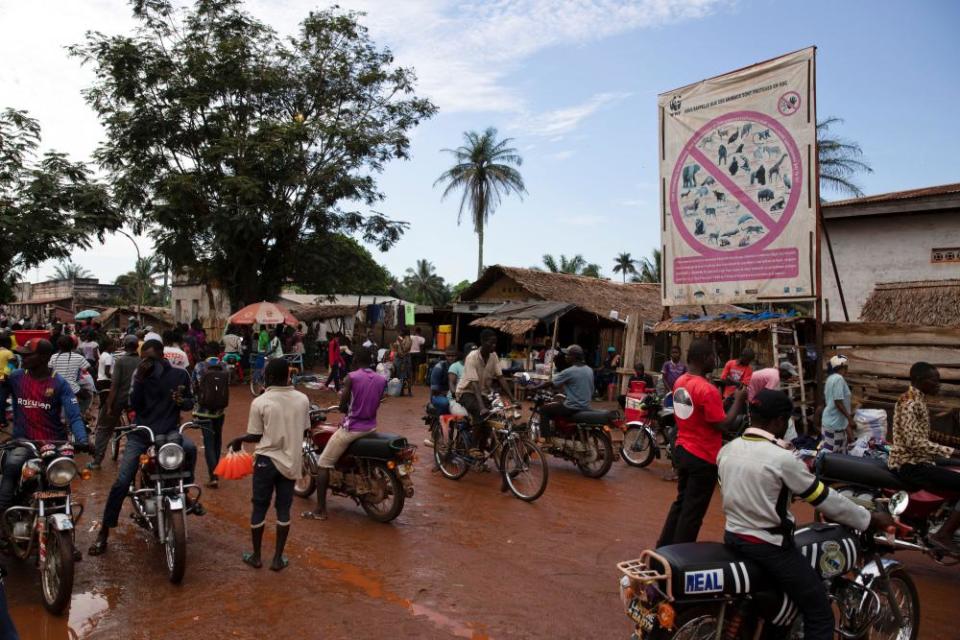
(673, 368)
(359, 401)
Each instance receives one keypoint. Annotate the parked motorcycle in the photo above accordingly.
(703, 590)
(375, 471)
(652, 435)
(160, 496)
(43, 517)
(583, 439)
(867, 481)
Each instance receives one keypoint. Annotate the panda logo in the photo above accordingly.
(682, 404)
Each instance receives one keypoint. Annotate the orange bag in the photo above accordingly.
(234, 466)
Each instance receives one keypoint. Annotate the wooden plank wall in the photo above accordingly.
(880, 356)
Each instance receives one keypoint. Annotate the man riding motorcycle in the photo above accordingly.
(40, 397)
(577, 384)
(758, 478)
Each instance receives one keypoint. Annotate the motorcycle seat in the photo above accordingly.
(377, 445)
(711, 568)
(868, 472)
(591, 416)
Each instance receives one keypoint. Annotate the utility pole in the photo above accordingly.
(140, 283)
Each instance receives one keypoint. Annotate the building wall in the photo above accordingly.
(896, 248)
(190, 301)
(505, 289)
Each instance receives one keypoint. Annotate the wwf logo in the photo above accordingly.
(675, 104)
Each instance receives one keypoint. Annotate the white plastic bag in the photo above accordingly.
(871, 423)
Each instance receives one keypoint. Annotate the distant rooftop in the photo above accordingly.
(945, 196)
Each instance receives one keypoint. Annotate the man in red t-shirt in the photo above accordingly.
(701, 421)
(737, 373)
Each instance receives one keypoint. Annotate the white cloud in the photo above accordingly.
(565, 154)
(558, 122)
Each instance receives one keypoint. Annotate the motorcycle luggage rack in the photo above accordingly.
(640, 570)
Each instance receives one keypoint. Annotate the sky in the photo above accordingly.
(574, 84)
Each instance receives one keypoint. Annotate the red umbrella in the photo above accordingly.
(263, 313)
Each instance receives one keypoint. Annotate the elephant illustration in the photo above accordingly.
(765, 194)
(690, 175)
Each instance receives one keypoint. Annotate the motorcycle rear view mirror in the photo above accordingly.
(898, 503)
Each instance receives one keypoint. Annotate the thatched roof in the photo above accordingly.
(158, 314)
(311, 312)
(594, 295)
(744, 323)
(933, 303)
(517, 318)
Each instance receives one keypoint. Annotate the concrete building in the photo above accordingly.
(191, 299)
(39, 301)
(900, 237)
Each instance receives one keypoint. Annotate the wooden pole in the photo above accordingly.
(833, 262)
(818, 305)
(456, 333)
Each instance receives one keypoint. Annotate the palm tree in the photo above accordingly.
(840, 160)
(483, 172)
(592, 270)
(67, 270)
(625, 265)
(140, 284)
(424, 285)
(572, 266)
(650, 268)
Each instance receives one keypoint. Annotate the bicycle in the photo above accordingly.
(258, 362)
(119, 432)
(522, 466)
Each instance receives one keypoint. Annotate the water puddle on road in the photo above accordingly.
(86, 611)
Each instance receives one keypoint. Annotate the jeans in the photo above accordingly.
(550, 411)
(335, 374)
(793, 575)
(136, 445)
(7, 630)
(696, 479)
(13, 461)
(212, 442)
(266, 480)
(441, 404)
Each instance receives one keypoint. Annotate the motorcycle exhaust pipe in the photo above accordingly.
(900, 544)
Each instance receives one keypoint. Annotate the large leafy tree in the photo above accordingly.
(423, 286)
(49, 206)
(625, 265)
(236, 148)
(68, 270)
(334, 263)
(840, 160)
(484, 171)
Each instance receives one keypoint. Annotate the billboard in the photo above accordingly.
(738, 185)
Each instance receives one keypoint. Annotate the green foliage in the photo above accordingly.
(68, 270)
(650, 268)
(335, 263)
(49, 206)
(625, 265)
(459, 288)
(577, 266)
(237, 149)
(840, 160)
(483, 173)
(423, 286)
(140, 285)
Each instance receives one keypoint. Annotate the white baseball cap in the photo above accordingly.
(152, 336)
(838, 361)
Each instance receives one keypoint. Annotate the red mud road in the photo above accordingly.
(462, 561)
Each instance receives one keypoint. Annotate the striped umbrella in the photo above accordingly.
(263, 313)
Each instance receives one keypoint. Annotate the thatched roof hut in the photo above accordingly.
(312, 312)
(934, 303)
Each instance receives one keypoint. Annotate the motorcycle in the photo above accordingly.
(703, 590)
(160, 497)
(650, 436)
(868, 480)
(375, 471)
(584, 438)
(43, 517)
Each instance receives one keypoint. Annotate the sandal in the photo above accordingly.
(248, 559)
(313, 515)
(283, 564)
(98, 548)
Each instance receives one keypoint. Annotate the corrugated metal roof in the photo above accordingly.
(944, 189)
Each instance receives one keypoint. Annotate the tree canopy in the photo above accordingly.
(237, 149)
(840, 160)
(577, 265)
(334, 263)
(423, 286)
(48, 204)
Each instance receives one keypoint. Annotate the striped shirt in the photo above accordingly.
(69, 364)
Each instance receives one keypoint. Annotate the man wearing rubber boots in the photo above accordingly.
(758, 477)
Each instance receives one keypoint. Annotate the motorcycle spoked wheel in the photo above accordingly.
(390, 494)
(305, 486)
(56, 575)
(175, 545)
(695, 623)
(904, 591)
(601, 445)
(638, 449)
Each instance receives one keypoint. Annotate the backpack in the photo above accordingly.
(213, 390)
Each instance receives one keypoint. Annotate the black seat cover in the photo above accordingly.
(593, 417)
(698, 565)
(377, 445)
(869, 472)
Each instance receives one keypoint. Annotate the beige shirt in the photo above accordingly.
(475, 370)
(281, 415)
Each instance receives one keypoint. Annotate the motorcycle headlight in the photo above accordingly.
(61, 472)
(170, 456)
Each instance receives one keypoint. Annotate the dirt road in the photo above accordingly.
(463, 561)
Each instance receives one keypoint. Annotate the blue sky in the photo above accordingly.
(575, 84)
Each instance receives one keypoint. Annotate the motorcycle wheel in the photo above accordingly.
(600, 442)
(638, 448)
(449, 456)
(175, 546)
(390, 506)
(695, 623)
(305, 486)
(905, 592)
(56, 575)
(524, 469)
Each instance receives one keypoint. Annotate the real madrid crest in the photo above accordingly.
(832, 561)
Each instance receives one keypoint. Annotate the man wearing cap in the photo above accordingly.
(118, 399)
(160, 392)
(837, 422)
(40, 397)
(576, 381)
(758, 478)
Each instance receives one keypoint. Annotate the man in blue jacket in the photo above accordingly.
(160, 392)
(39, 398)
